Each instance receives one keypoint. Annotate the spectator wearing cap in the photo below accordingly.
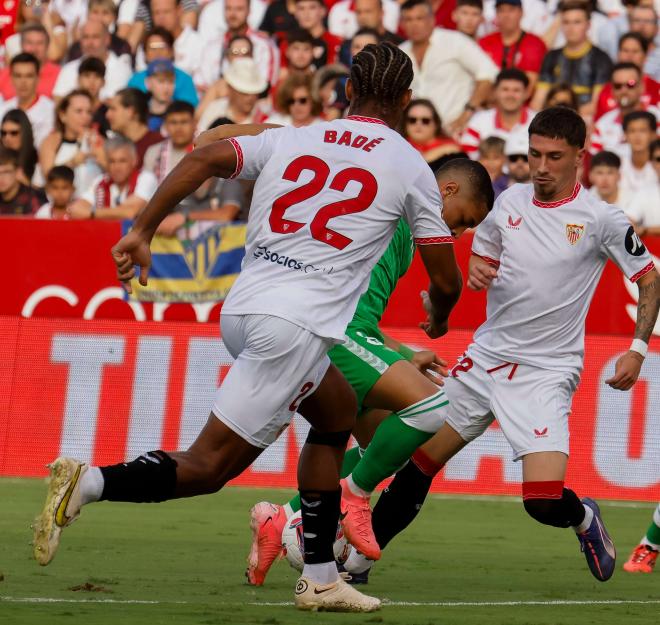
(24, 72)
(469, 17)
(579, 63)
(644, 208)
(263, 50)
(160, 86)
(95, 42)
(511, 46)
(450, 69)
(128, 114)
(509, 115)
(34, 40)
(159, 44)
(640, 130)
(605, 178)
(16, 198)
(627, 88)
(122, 192)
(244, 85)
(633, 48)
(310, 15)
(346, 17)
(91, 78)
(516, 148)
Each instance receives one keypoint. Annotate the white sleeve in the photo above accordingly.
(66, 80)
(127, 11)
(636, 207)
(391, 14)
(89, 194)
(146, 185)
(474, 59)
(620, 243)
(423, 211)
(252, 153)
(487, 241)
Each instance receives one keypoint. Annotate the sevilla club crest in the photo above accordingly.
(574, 233)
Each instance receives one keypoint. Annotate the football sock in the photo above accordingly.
(548, 502)
(351, 458)
(392, 444)
(400, 502)
(149, 478)
(91, 485)
(320, 515)
(652, 537)
(357, 563)
(586, 522)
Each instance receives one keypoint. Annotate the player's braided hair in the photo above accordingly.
(381, 72)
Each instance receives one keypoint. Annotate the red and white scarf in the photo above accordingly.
(103, 195)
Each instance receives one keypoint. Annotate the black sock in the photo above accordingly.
(565, 512)
(320, 515)
(149, 478)
(573, 507)
(399, 503)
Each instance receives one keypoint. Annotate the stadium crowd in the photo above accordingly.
(99, 100)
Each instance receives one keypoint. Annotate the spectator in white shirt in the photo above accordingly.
(346, 17)
(637, 172)
(627, 89)
(644, 210)
(212, 22)
(60, 191)
(605, 179)
(509, 114)
(95, 41)
(451, 70)
(24, 72)
(120, 193)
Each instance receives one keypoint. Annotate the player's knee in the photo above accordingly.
(543, 502)
(427, 415)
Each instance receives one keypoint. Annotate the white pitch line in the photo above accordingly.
(60, 600)
(479, 604)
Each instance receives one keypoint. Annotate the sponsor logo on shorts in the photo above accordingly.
(541, 433)
(574, 232)
(514, 224)
(288, 262)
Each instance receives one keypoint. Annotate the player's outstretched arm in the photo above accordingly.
(228, 131)
(218, 159)
(628, 366)
(445, 288)
(481, 273)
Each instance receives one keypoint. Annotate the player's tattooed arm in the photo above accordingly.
(648, 305)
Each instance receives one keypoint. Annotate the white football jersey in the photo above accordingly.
(550, 257)
(326, 202)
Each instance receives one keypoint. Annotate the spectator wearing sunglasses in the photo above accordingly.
(422, 128)
(508, 115)
(644, 209)
(515, 150)
(627, 90)
(16, 134)
(295, 104)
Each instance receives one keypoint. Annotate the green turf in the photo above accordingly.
(189, 557)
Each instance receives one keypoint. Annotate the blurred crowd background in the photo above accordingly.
(99, 99)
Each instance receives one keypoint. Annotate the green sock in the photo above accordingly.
(653, 533)
(393, 443)
(351, 458)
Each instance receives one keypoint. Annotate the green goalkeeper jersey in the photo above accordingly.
(384, 277)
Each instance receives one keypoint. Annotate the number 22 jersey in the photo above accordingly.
(326, 202)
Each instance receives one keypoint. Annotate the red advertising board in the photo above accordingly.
(107, 390)
(64, 269)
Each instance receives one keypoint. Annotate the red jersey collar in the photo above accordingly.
(558, 203)
(523, 118)
(368, 120)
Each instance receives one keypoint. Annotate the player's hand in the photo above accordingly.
(432, 328)
(132, 249)
(626, 371)
(433, 367)
(481, 275)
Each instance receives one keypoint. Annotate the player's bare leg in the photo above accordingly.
(418, 410)
(547, 500)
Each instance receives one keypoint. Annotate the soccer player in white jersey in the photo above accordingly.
(540, 253)
(326, 202)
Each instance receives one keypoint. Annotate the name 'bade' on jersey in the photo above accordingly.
(310, 245)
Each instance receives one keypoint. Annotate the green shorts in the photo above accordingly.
(362, 359)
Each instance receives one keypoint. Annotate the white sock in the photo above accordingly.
(588, 518)
(646, 541)
(325, 573)
(288, 510)
(357, 563)
(91, 485)
(355, 489)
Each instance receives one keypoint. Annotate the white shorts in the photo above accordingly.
(530, 404)
(277, 364)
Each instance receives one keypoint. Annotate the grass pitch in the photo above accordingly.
(462, 562)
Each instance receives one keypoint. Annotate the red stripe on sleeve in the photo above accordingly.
(239, 158)
(488, 259)
(433, 240)
(642, 272)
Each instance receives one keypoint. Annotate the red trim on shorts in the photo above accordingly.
(425, 464)
(239, 158)
(642, 272)
(433, 240)
(368, 120)
(488, 259)
(543, 490)
(558, 203)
